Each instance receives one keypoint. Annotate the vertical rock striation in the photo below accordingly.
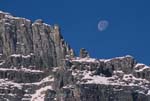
(36, 64)
(39, 44)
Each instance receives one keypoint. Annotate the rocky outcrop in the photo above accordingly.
(84, 53)
(28, 52)
(142, 71)
(36, 64)
(23, 43)
(90, 79)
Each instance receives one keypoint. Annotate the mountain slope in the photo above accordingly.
(36, 64)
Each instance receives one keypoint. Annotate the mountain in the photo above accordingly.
(37, 64)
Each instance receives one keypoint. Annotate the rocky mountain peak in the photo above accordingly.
(37, 64)
(19, 36)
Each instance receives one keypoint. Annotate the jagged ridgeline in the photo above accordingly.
(27, 44)
(36, 64)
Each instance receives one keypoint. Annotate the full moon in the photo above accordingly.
(102, 25)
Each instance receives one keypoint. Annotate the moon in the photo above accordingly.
(103, 25)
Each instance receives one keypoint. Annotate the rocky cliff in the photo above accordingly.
(36, 64)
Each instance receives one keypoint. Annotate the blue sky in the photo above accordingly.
(128, 31)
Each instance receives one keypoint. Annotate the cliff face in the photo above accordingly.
(27, 44)
(36, 64)
(117, 79)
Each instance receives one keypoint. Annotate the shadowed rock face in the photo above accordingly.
(36, 64)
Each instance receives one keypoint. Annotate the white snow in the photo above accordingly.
(78, 59)
(141, 92)
(6, 69)
(132, 79)
(98, 80)
(40, 94)
(11, 17)
(46, 79)
(36, 23)
(127, 77)
(16, 55)
(3, 12)
(145, 67)
(10, 94)
(2, 63)
(107, 60)
(126, 80)
(148, 92)
(7, 24)
(140, 67)
(26, 56)
(30, 70)
(31, 53)
(95, 79)
(22, 25)
(7, 83)
(123, 57)
(55, 69)
(20, 55)
(47, 24)
(118, 71)
(21, 69)
(139, 64)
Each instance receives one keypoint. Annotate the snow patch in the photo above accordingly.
(148, 93)
(26, 56)
(2, 63)
(4, 12)
(118, 71)
(104, 60)
(20, 55)
(55, 69)
(21, 69)
(16, 55)
(125, 80)
(11, 17)
(68, 86)
(46, 79)
(140, 67)
(30, 70)
(47, 25)
(7, 83)
(107, 60)
(95, 79)
(40, 94)
(78, 59)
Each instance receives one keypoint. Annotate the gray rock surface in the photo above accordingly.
(36, 64)
(94, 80)
(19, 36)
(84, 53)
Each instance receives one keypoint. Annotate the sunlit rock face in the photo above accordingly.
(102, 80)
(28, 51)
(36, 64)
(35, 44)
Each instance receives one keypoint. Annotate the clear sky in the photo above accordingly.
(128, 31)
